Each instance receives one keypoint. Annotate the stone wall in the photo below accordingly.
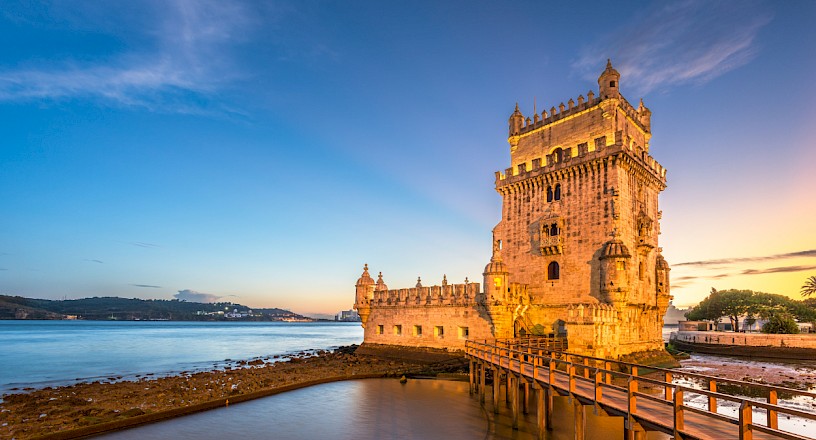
(747, 339)
(435, 326)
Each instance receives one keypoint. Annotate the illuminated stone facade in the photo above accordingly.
(576, 251)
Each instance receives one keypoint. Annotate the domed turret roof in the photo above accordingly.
(615, 249)
(495, 266)
(609, 71)
(365, 278)
(661, 263)
(380, 283)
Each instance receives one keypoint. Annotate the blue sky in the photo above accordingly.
(262, 152)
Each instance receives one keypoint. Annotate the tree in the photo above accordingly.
(734, 303)
(780, 323)
(809, 288)
(730, 303)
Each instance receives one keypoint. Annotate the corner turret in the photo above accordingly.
(496, 277)
(365, 293)
(615, 259)
(516, 122)
(609, 82)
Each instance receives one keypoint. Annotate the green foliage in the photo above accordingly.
(734, 303)
(780, 323)
(809, 288)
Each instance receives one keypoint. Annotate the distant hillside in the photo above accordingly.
(112, 308)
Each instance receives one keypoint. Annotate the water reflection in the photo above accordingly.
(375, 409)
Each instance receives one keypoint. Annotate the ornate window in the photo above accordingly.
(549, 194)
(557, 193)
(553, 271)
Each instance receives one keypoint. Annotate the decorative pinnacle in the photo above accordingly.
(608, 63)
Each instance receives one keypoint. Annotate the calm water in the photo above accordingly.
(372, 409)
(46, 353)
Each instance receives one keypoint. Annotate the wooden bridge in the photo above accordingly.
(652, 402)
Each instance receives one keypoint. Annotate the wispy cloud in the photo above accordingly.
(672, 43)
(777, 270)
(95, 261)
(141, 244)
(180, 62)
(193, 296)
(147, 286)
(3, 268)
(722, 261)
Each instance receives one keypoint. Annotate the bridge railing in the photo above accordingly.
(534, 357)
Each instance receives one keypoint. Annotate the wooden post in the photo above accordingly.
(482, 382)
(571, 368)
(745, 416)
(551, 378)
(679, 423)
(472, 374)
(541, 410)
(668, 387)
(525, 398)
(598, 390)
(608, 375)
(773, 421)
(580, 419)
(513, 384)
(632, 398)
(586, 368)
(712, 401)
(496, 389)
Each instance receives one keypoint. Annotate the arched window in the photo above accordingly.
(558, 155)
(549, 194)
(557, 194)
(553, 271)
(546, 230)
(554, 229)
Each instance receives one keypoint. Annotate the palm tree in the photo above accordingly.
(809, 288)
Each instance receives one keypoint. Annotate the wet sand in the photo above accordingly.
(84, 409)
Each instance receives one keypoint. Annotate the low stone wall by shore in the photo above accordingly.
(746, 339)
(91, 408)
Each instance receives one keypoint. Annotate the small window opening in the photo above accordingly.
(439, 331)
(553, 271)
(611, 83)
(464, 332)
(397, 330)
(554, 230)
(620, 265)
(549, 194)
(417, 330)
(380, 329)
(557, 194)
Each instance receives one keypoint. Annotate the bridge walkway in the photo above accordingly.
(617, 388)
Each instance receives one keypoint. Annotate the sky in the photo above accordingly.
(262, 152)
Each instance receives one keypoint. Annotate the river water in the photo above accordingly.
(50, 353)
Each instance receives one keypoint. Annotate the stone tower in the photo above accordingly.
(575, 253)
(580, 223)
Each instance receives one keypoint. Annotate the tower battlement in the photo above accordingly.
(580, 156)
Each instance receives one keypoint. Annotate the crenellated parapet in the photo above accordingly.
(581, 158)
(441, 295)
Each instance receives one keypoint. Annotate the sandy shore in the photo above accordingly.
(83, 409)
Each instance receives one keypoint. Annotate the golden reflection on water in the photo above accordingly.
(376, 409)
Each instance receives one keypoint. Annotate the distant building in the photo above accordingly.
(347, 316)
